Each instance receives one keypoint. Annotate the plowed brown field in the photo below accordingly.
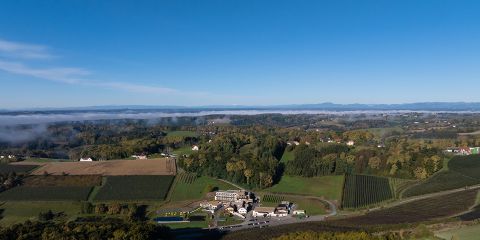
(162, 166)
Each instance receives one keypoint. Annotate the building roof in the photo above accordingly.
(264, 209)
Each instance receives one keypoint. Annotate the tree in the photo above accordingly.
(100, 208)
(114, 208)
(374, 162)
(248, 174)
(209, 188)
(45, 216)
(86, 208)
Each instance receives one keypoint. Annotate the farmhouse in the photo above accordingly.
(141, 156)
(86, 160)
(263, 212)
(195, 148)
(299, 212)
(296, 143)
(350, 143)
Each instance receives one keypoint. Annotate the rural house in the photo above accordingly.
(86, 160)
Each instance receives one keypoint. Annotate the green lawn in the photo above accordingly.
(195, 224)
(182, 134)
(183, 150)
(20, 211)
(196, 190)
(464, 233)
(287, 156)
(380, 132)
(329, 187)
(311, 205)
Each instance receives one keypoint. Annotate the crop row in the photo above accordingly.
(188, 178)
(418, 211)
(273, 198)
(362, 190)
(24, 193)
(146, 187)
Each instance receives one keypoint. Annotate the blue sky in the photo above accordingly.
(83, 53)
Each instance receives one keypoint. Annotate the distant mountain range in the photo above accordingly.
(421, 106)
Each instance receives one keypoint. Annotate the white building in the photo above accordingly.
(299, 212)
(263, 212)
(195, 148)
(350, 143)
(86, 160)
(242, 210)
(230, 195)
(141, 157)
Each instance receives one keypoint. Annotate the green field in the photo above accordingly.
(312, 206)
(462, 171)
(186, 188)
(7, 168)
(329, 187)
(379, 133)
(463, 233)
(187, 150)
(134, 188)
(287, 156)
(182, 134)
(24, 193)
(363, 190)
(17, 212)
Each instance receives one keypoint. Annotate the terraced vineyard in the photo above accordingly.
(398, 185)
(24, 193)
(273, 198)
(417, 211)
(361, 191)
(187, 178)
(135, 188)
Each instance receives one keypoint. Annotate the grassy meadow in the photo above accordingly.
(329, 187)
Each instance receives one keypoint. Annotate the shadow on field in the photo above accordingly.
(197, 233)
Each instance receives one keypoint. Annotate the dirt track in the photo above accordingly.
(110, 168)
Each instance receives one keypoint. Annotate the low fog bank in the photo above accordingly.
(42, 118)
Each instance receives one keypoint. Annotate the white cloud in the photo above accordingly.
(65, 75)
(22, 50)
(70, 75)
(136, 88)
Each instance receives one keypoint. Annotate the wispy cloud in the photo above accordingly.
(65, 75)
(22, 50)
(136, 88)
(11, 52)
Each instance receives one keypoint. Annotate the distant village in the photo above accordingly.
(464, 150)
